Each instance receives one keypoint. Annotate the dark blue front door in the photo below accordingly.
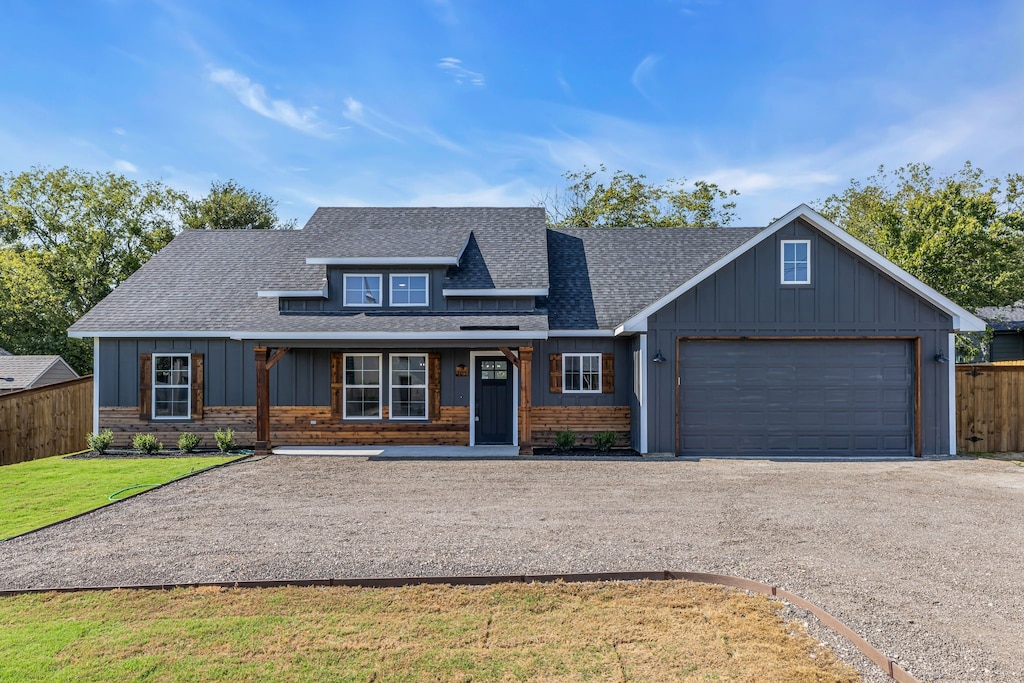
(493, 401)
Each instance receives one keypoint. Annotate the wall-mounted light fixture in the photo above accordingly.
(658, 358)
(940, 357)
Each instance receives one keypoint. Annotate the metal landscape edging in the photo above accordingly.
(888, 665)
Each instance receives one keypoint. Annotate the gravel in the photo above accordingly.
(922, 558)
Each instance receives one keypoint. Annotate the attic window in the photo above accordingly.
(362, 290)
(796, 262)
(409, 289)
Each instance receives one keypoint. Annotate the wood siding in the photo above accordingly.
(584, 421)
(45, 421)
(990, 408)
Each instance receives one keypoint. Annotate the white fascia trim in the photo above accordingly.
(316, 336)
(279, 293)
(963, 320)
(581, 333)
(392, 261)
(494, 292)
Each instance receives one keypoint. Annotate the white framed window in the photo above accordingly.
(581, 373)
(410, 289)
(362, 289)
(362, 386)
(408, 386)
(172, 395)
(796, 262)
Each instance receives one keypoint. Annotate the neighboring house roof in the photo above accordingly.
(1004, 318)
(603, 276)
(5, 352)
(26, 370)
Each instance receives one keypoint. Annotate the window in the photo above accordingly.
(409, 387)
(493, 369)
(409, 290)
(171, 395)
(362, 386)
(581, 372)
(362, 290)
(796, 262)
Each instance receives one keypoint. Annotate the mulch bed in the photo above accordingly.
(589, 452)
(120, 453)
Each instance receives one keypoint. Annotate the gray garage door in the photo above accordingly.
(842, 398)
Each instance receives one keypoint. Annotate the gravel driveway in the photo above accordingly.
(925, 559)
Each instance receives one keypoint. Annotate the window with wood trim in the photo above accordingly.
(362, 386)
(581, 373)
(172, 388)
(408, 387)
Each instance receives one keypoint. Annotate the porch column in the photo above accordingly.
(525, 400)
(262, 400)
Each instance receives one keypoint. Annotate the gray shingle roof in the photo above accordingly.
(1003, 317)
(25, 369)
(600, 277)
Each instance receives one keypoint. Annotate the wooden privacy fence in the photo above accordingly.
(49, 420)
(990, 408)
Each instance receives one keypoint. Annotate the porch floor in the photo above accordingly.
(402, 451)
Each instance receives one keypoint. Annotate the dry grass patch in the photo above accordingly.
(647, 631)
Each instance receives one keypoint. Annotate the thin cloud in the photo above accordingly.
(372, 120)
(118, 131)
(461, 74)
(125, 166)
(254, 96)
(359, 114)
(643, 73)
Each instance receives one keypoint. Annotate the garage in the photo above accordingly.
(835, 397)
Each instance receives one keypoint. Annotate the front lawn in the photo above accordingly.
(646, 631)
(40, 492)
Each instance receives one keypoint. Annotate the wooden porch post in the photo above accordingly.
(525, 400)
(262, 400)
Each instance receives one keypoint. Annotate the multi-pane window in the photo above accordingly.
(409, 387)
(796, 262)
(362, 386)
(362, 290)
(493, 369)
(581, 372)
(409, 290)
(171, 386)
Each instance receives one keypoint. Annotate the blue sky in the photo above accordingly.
(486, 102)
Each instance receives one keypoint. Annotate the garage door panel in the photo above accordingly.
(825, 397)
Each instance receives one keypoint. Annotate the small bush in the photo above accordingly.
(605, 441)
(188, 442)
(100, 442)
(565, 440)
(146, 443)
(225, 439)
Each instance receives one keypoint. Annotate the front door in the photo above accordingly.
(493, 401)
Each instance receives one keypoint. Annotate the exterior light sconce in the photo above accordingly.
(658, 358)
(940, 357)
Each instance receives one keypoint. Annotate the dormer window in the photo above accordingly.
(362, 290)
(409, 289)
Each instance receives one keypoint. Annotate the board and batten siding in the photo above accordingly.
(847, 297)
(623, 387)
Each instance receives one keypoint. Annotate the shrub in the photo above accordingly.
(565, 440)
(146, 443)
(225, 439)
(100, 442)
(605, 441)
(188, 442)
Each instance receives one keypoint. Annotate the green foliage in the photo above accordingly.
(565, 440)
(225, 440)
(229, 206)
(962, 234)
(188, 442)
(67, 238)
(100, 442)
(605, 441)
(146, 443)
(628, 200)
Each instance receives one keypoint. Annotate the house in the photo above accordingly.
(29, 372)
(466, 326)
(1007, 323)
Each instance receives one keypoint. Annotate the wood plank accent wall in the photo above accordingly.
(125, 423)
(584, 420)
(990, 408)
(49, 420)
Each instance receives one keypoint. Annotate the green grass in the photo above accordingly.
(646, 631)
(40, 492)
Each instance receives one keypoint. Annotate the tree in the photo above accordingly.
(229, 206)
(67, 238)
(962, 234)
(630, 200)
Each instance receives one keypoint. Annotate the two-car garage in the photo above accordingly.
(811, 397)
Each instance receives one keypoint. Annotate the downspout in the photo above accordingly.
(95, 385)
(642, 398)
(951, 355)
